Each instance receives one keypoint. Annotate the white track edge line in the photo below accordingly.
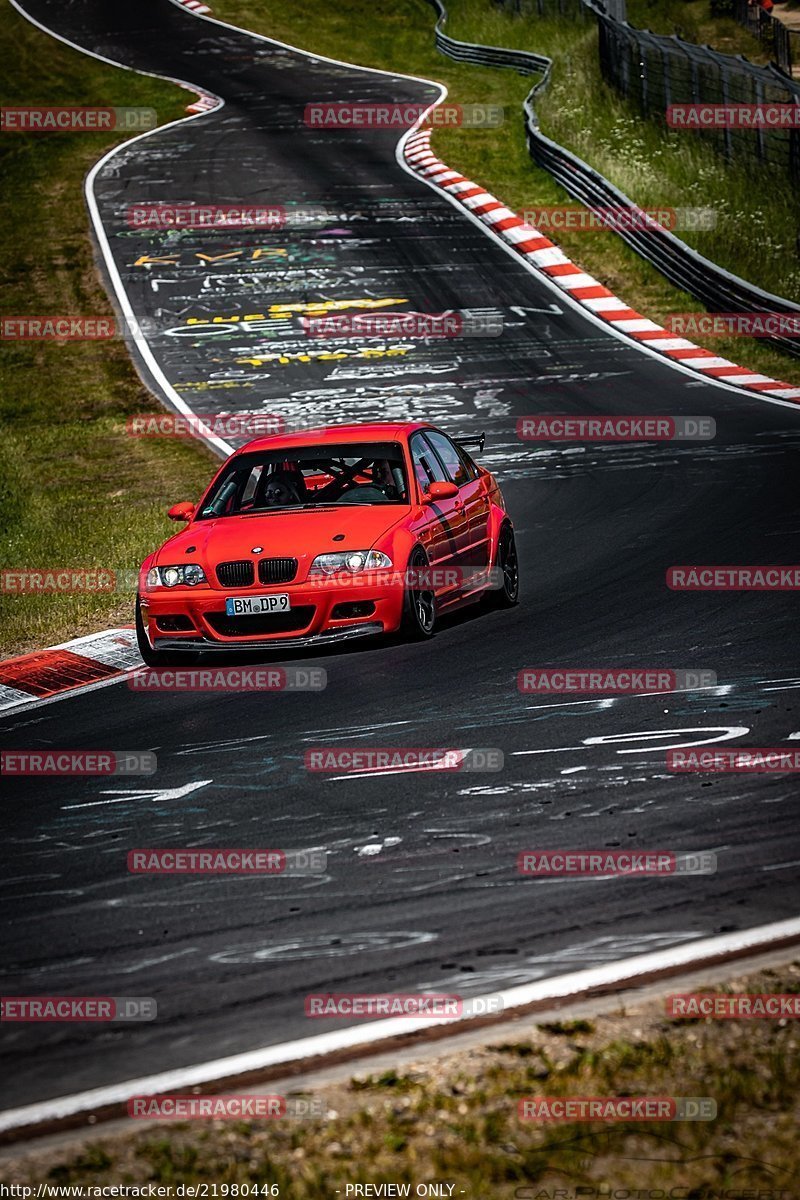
(559, 987)
(405, 166)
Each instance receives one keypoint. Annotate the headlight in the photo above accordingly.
(193, 574)
(350, 561)
(189, 573)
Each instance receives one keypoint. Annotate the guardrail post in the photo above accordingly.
(760, 135)
(726, 95)
(665, 65)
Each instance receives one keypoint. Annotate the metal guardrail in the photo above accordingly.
(716, 288)
(768, 29)
(654, 70)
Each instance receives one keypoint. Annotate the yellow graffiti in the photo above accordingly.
(324, 356)
(281, 310)
(147, 260)
(203, 385)
(332, 305)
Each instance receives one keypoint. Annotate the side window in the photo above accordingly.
(427, 467)
(448, 453)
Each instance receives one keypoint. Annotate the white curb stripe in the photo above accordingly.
(410, 148)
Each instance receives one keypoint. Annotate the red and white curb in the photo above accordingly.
(89, 660)
(538, 250)
(204, 103)
(196, 6)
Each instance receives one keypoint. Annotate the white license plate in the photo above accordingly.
(252, 606)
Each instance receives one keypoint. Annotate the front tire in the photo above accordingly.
(159, 658)
(419, 603)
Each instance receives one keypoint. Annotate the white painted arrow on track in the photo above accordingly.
(154, 794)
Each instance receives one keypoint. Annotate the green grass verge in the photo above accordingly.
(655, 167)
(455, 1119)
(75, 489)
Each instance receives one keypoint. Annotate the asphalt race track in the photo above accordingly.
(421, 889)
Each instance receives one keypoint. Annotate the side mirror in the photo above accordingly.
(440, 490)
(182, 511)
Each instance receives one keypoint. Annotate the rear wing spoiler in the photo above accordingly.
(469, 443)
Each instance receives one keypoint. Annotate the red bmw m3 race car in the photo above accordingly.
(309, 538)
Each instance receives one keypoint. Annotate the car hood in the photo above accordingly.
(282, 535)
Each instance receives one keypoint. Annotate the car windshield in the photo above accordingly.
(309, 477)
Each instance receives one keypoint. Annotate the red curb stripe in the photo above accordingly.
(50, 671)
(509, 223)
(533, 244)
(595, 292)
(623, 314)
(566, 268)
(660, 335)
(697, 352)
(772, 385)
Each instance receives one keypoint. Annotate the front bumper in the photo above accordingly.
(195, 619)
(343, 634)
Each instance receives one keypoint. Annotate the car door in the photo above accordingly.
(444, 527)
(474, 548)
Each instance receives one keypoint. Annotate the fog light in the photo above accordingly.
(353, 608)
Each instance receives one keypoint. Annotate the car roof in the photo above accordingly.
(378, 432)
